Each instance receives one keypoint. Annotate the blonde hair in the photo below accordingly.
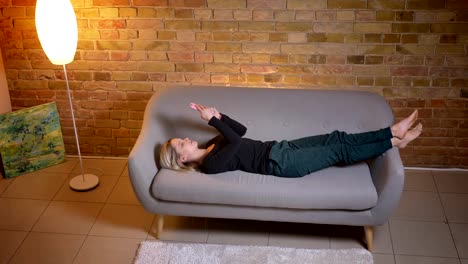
(169, 159)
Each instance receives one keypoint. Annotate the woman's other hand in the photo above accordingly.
(207, 113)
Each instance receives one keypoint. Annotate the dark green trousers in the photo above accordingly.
(303, 156)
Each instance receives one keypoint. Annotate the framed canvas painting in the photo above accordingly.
(30, 139)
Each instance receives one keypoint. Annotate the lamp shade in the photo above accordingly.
(57, 30)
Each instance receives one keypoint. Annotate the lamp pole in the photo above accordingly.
(58, 33)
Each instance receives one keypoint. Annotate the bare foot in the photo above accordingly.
(410, 136)
(399, 129)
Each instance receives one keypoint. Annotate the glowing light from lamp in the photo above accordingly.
(57, 30)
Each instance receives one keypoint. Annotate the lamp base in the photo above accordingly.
(90, 182)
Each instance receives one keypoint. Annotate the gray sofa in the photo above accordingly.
(364, 194)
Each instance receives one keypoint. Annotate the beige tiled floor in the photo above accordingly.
(43, 221)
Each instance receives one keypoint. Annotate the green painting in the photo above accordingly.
(30, 139)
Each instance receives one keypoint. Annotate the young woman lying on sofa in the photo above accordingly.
(294, 158)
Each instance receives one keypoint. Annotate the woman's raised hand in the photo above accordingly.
(206, 113)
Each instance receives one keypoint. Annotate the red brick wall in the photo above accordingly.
(414, 52)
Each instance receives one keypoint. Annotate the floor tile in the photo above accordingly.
(128, 221)
(460, 235)
(424, 260)
(383, 259)
(108, 250)
(123, 193)
(125, 172)
(464, 261)
(419, 180)
(65, 167)
(451, 181)
(182, 229)
(299, 235)
(36, 185)
(48, 248)
(98, 195)
(455, 206)
(20, 214)
(10, 241)
(102, 167)
(422, 239)
(237, 232)
(68, 218)
(345, 237)
(4, 183)
(424, 206)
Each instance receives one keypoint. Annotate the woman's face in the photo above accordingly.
(184, 148)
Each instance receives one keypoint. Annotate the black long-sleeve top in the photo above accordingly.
(232, 152)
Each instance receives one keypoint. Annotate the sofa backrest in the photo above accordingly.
(268, 113)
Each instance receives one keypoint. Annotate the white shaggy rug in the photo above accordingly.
(158, 252)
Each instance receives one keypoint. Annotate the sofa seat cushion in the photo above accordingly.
(347, 188)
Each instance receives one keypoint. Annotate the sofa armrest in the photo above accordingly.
(142, 160)
(388, 176)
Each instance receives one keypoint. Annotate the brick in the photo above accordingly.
(318, 80)
(189, 67)
(113, 45)
(358, 59)
(365, 81)
(347, 4)
(376, 70)
(219, 25)
(373, 38)
(107, 24)
(294, 26)
(391, 38)
(385, 15)
(258, 69)
(256, 26)
(456, 28)
(305, 15)
(345, 15)
(318, 48)
(333, 27)
(145, 24)
(184, 13)
(414, 60)
(149, 2)
(150, 45)
(281, 15)
(372, 27)
(262, 14)
(457, 61)
(224, 47)
(156, 66)
(111, 2)
(448, 39)
(306, 4)
(386, 4)
(317, 59)
(283, 37)
(374, 59)
(182, 25)
(259, 4)
(409, 71)
(404, 16)
(231, 4)
(416, 49)
(425, 4)
(279, 59)
(222, 68)
(329, 69)
(448, 72)
(365, 16)
(329, 15)
(261, 48)
(383, 81)
(376, 49)
(428, 39)
(409, 38)
(259, 37)
(411, 28)
(450, 49)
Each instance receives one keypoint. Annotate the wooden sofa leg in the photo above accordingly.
(368, 230)
(160, 225)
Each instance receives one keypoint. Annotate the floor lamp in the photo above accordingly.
(58, 33)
